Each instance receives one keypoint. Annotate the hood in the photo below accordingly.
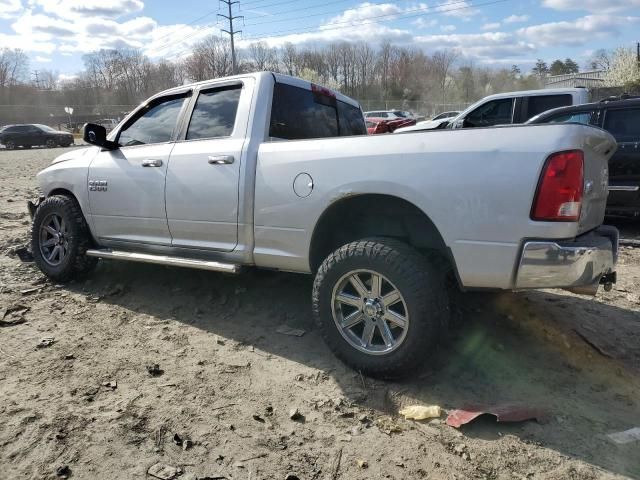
(425, 125)
(72, 155)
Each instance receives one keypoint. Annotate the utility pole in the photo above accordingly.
(35, 73)
(231, 32)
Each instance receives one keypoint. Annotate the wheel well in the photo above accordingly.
(62, 191)
(373, 215)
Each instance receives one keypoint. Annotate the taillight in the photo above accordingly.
(559, 195)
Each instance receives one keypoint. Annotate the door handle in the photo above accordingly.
(152, 162)
(221, 159)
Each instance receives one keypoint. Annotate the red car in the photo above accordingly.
(392, 118)
(375, 127)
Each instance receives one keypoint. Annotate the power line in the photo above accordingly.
(342, 11)
(306, 16)
(366, 21)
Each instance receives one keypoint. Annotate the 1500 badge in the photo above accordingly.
(98, 185)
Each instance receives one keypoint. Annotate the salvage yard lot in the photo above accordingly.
(227, 380)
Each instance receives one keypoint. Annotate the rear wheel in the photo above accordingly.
(51, 143)
(380, 305)
(10, 145)
(59, 239)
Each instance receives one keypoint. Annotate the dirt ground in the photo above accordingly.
(227, 380)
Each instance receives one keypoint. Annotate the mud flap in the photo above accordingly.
(32, 206)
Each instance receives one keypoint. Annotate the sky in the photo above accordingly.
(56, 33)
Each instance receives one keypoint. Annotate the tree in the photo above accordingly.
(442, 62)
(600, 60)
(557, 68)
(515, 71)
(570, 66)
(624, 70)
(14, 66)
(262, 57)
(540, 69)
(211, 58)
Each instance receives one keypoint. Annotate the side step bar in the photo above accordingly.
(164, 260)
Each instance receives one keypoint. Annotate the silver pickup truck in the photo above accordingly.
(269, 171)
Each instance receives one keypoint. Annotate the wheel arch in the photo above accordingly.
(368, 215)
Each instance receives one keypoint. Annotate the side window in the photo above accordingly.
(579, 117)
(542, 103)
(215, 113)
(155, 124)
(297, 114)
(624, 125)
(351, 120)
(495, 112)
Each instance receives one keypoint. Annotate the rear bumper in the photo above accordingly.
(579, 265)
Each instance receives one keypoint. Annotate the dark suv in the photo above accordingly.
(32, 135)
(620, 116)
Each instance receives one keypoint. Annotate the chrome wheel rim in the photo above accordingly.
(54, 239)
(370, 312)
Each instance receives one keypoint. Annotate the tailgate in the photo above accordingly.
(598, 148)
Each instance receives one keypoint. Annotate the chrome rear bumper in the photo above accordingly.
(577, 265)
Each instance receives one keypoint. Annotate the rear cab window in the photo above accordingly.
(623, 124)
(299, 114)
(536, 104)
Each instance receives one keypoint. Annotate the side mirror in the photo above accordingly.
(97, 135)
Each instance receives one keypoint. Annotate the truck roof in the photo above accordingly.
(279, 77)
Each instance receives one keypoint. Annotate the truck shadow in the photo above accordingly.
(528, 349)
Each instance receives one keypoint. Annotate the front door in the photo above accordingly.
(126, 186)
(204, 170)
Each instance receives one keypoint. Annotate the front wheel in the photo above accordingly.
(51, 143)
(381, 306)
(59, 239)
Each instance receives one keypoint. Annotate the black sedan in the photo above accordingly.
(32, 135)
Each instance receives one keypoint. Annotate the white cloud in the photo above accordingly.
(516, 19)
(10, 8)
(26, 43)
(41, 59)
(448, 28)
(577, 32)
(422, 23)
(365, 11)
(594, 6)
(484, 46)
(491, 26)
(89, 8)
(457, 8)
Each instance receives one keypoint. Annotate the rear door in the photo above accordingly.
(204, 169)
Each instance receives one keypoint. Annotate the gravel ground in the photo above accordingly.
(226, 382)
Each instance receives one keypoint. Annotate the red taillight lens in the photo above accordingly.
(559, 196)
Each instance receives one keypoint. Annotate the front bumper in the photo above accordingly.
(579, 265)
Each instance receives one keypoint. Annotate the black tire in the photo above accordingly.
(78, 239)
(10, 145)
(420, 281)
(51, 143)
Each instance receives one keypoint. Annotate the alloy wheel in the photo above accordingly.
(54, 239)
(370, 312)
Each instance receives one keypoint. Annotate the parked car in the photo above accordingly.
(108, 123)
(620, 116)
(425, 125)
(517, 107)
(508, 108)
(239, 172)
(32, 135)
(393, 118)
(377, 127)
(444, 115)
